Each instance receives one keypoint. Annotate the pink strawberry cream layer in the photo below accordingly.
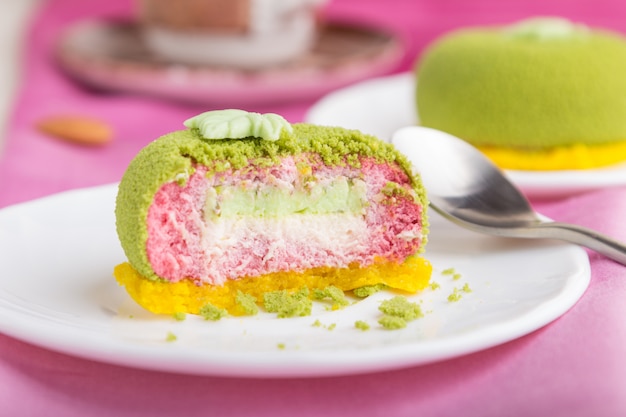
(261, 220)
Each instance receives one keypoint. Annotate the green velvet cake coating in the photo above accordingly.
(172, 158)
(532, 86)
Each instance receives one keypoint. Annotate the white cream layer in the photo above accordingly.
(292, 242)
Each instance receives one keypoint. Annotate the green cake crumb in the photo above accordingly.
(368, 290)
(397, 312)
(455, 296)
(393, 190)
(336, 295)
(456, 293)
(452, 271)
(434, 286)
(171, 337)
(247, 303)
(281, 346)
(399, 306)
(285, 304)
(211, 312)
(361, 325)
(318, 323)
(392, 322)
(179, 316)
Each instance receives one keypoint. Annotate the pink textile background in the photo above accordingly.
(575, 366)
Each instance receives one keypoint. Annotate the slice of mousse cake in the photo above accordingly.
(242, 204)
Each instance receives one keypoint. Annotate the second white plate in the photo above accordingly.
(57, 291)
(380, 106)
(112, 55)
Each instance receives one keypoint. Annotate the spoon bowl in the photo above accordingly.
(465, 187)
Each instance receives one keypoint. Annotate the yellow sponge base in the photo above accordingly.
(578, 156)
(186, 297)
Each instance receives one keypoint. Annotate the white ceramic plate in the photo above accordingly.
(57, 291)
(380, 106)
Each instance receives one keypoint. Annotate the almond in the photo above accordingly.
(77, 129)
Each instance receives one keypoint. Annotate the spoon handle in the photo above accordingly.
(588, 238)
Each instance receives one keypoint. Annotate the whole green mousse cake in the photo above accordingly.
(241, 204)
(544, 93)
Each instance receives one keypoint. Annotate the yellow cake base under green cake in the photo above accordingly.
(579, 156)
(162, 297)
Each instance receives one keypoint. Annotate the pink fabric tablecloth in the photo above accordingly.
(575, 366)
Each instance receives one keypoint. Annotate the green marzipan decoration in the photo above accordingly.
(238, 124)
(545, 29)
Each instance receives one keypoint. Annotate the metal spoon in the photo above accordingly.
(468, 189)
